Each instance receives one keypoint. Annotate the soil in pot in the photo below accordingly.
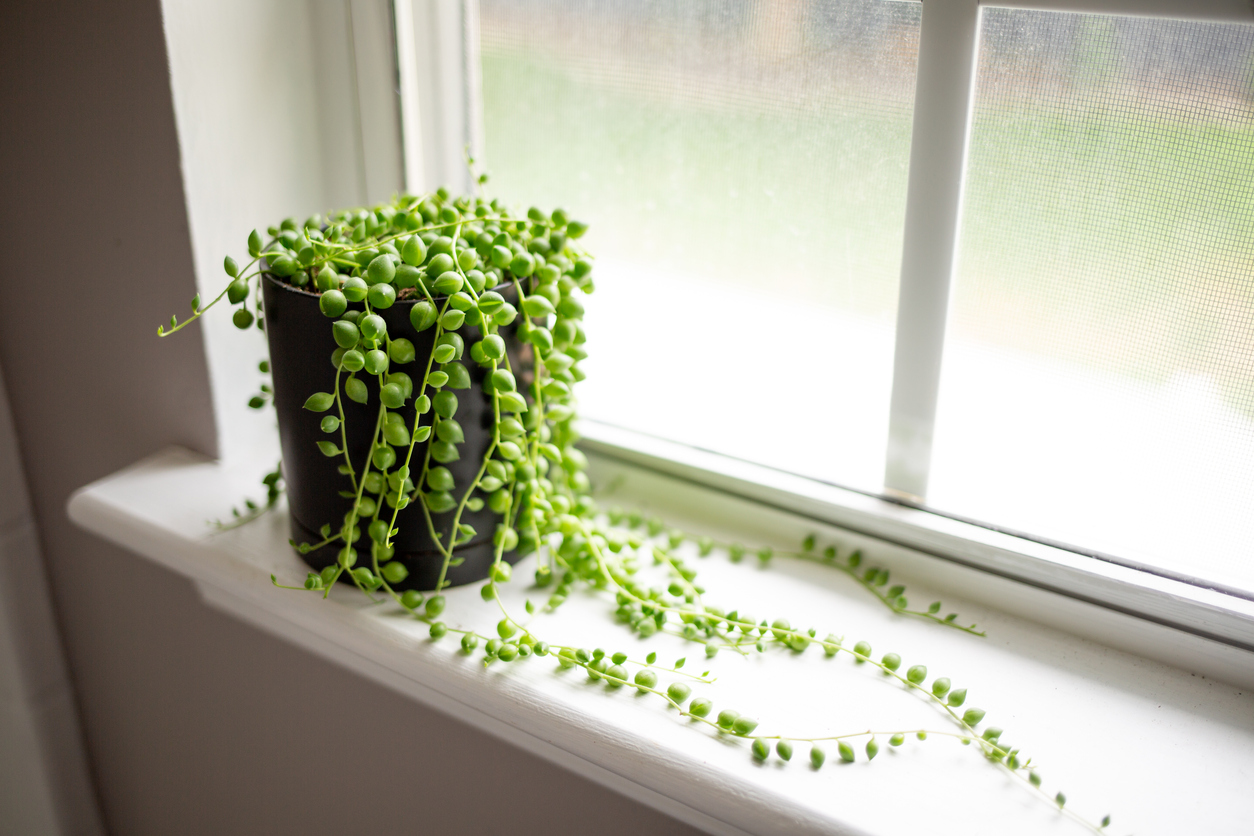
(301, 345)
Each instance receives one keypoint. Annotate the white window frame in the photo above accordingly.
(439, 100)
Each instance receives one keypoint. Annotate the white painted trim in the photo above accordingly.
(378, 97)
(942, 104)
(473, 63)
(443, 43)
(1230, 11)
(1041, 683)
(410, 102)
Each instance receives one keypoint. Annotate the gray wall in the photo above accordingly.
(193, 723)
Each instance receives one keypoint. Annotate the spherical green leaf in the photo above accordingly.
(458, 377)
(381, 296)
(327, 279)
(512, 402)
(373, 327)
(376, 362)
(345, 333)
(401, 351)
(505, 315)
(448, 282)
(537, 306)
(383, 457)
(355, 389)
(452, 320)
(490, 302)
(450, 431)
(522, 265)
(394, 572)
(355, 289)
(333, 303)
(402, 380)
(445, 404)
(414, 251)
(440, 479)
(503, 381)
(439, 501)
(392, 395)
(395, 432)
(320, 402)
(423, 315)
(407, 276)
(678, 691)
(283, 265)
(352, 360)
(380, 270)
(237, 291)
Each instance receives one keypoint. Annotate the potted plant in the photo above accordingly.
(432, 438)
(423, 353)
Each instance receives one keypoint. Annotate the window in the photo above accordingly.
(746, 163)
(1098, 386)
(996, 263)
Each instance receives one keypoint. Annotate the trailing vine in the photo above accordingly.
(481, 280)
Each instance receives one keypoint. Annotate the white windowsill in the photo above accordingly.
(1163, 750)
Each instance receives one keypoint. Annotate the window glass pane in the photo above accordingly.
(1098, 386)
(743, 166)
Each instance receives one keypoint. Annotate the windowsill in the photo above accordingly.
(1161, 749)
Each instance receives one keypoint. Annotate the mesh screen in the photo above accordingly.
(1098, 385)
(743, 166)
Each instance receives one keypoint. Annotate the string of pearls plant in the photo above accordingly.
(454, 256)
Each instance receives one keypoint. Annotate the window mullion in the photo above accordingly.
(942, 103)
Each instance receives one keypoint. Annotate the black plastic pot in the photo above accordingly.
(301, 345)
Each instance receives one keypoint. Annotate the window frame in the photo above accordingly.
(440, 104)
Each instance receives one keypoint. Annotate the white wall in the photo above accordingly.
(45, 788)
(312, 70)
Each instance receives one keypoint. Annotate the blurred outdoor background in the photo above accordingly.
(744, 168)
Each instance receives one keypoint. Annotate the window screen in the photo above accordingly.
(1098, 383)
(743, 166)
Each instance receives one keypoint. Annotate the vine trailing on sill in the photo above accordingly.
(453, 258)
